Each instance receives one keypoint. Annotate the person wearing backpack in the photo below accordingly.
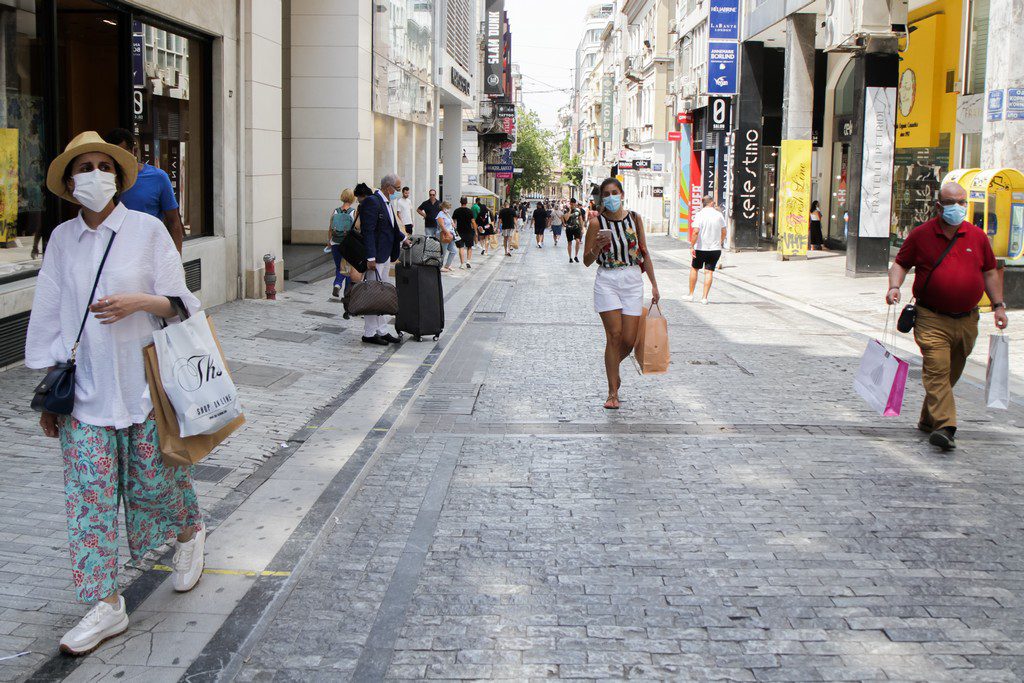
(341, 221)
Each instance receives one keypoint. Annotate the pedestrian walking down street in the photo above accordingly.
(383, 239)
(341, 221)
(429, 210)
(524, 209)
(616, 242)
(403, 209)
(152, 192)
(953, 264)
(556, 215)
(447, 236)
(540, 217)
(709, 228)
(507, 217)
(573, 230)
(103, 267)
(484, 227)
(465, 228)
(816, 239)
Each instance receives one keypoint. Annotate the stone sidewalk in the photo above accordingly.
(291, 358)
(744, 517)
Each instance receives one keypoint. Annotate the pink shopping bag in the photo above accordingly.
(881, 379)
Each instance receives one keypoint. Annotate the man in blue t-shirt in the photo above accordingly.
(152, 192)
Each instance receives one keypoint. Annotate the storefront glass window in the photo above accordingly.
(402, 47)
(22, 136)
(838, 218)
(169, 73)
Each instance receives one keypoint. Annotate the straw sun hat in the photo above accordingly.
(89, 141)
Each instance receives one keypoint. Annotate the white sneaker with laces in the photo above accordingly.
(188, 562)
(704, 301)
(101, 622)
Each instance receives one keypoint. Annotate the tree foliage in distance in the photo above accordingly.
(572, 167)
(533, 154)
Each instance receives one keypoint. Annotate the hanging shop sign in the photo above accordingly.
(724, 20)
(994, 106)
(658, 191)
(722, 62)
(684, 153)
(794, 204)
(498, 168)
(877, 168)
(747, 190)
(493, 49)
(607, 105)
(626, 165)
(675, 136)
(641, 164)
(719, 109)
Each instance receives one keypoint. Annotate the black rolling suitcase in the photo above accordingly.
(420, 301)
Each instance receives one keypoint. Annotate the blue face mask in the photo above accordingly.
(613, 202)
(954, 214)
(395, 196)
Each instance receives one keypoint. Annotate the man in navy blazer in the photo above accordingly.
(382, 239)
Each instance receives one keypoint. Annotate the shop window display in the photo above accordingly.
(402, 45)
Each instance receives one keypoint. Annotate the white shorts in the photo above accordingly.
(619, 288)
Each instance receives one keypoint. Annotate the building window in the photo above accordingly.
(977, 47)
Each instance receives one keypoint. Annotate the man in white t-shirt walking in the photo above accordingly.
(403, 211)
(709, 226)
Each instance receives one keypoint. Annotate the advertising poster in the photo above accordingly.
(794, 197)
(724, 20)
(8, 183)
(685, 151)
(723, 61)
(876, 171)
(494, 49)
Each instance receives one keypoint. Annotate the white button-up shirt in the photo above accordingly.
(110, 380)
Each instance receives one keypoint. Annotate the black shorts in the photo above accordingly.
(466, 239)
(708, 260)
(408, 228)
(573, 234)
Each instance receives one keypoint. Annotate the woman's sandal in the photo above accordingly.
(612, 403)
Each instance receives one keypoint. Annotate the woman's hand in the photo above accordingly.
(603, 240)
(655, 294)
(112, 308)
(48, 421)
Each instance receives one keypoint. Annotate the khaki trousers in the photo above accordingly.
(945, 345)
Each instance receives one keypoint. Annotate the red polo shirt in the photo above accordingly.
(958, 284)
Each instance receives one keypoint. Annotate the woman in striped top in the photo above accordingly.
(616, 242)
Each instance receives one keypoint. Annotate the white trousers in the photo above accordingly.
(377, 324)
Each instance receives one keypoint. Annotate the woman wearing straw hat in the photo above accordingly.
(109, 441)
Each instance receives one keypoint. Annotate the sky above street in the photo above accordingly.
(545, 34)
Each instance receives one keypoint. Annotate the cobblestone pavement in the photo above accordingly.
(743, 517)
(291, 359)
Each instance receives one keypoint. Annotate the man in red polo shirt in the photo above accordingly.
(947, 303)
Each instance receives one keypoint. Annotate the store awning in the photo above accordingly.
(477, 191)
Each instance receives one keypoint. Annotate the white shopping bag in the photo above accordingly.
(194, 375)
(881, 379)
(997, 375)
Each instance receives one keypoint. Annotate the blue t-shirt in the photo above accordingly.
(152, 193)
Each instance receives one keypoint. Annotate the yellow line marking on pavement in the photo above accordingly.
(227, 572)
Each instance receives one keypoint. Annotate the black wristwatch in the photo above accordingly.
(998, 305)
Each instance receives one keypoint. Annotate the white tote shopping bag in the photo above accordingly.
(997, 375)
(193, 373)
(881, 379)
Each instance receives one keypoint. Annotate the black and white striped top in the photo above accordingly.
(625, 247)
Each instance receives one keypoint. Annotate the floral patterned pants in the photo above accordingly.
(102, 466)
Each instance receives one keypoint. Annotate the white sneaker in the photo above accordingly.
(101, 622)
(704, 301)
(188, 562)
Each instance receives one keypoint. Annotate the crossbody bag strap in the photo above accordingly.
(938, 263)
(95, 284)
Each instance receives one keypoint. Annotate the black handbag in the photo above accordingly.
(353, 250)
(56, 393)
(908, 316)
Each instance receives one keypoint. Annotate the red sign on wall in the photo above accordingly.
(684, 117)
(675, 136)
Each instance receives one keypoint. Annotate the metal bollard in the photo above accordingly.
(270, 276)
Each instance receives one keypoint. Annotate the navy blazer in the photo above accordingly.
(381, 237)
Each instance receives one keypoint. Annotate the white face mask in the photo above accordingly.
(95, 189)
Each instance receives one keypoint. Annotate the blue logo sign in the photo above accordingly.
(1015, 104)
(498, 168)
(994, 110)
(722, 64)
(724, 21)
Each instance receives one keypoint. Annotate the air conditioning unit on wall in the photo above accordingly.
(848, 22)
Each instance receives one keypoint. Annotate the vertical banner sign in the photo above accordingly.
(877, 170)
(8, 184)
(747, 176)
(719, 108)
(794, 203)
(493, 49)
(723, 59)
(607, 103)
(723, 20)
(683, 161)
